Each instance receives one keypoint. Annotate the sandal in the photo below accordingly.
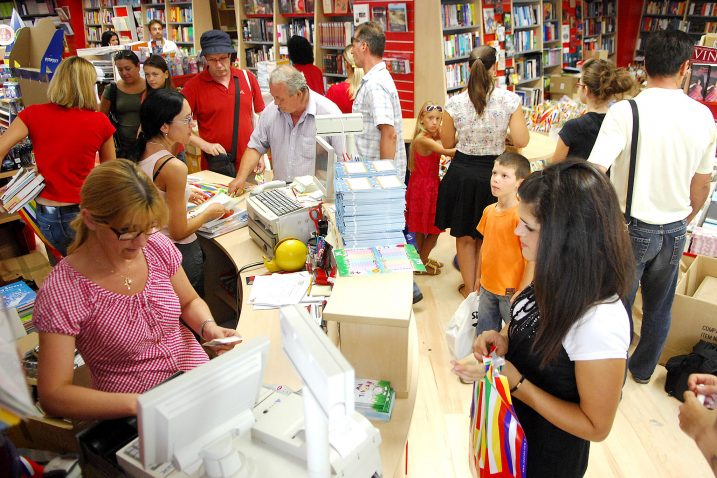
(431, 270)
(435, 262)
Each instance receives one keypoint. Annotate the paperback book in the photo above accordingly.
(397, 17)
(374, 399)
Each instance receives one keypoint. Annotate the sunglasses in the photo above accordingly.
(434, 107)
(130, 236)
(126, 55)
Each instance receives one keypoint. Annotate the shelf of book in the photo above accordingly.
(461, 26)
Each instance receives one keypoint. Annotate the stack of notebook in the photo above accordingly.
(22, 188)
(370, 204)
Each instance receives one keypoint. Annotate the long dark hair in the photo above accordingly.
(157, 110)
(107, 37)
(300, 50)
(157, 61)
(480, 82)
(584, 252)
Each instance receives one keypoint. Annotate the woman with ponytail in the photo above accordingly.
(167, 122)
(476, 123)
(600, 83)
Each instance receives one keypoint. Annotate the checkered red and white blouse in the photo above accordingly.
(130, 343)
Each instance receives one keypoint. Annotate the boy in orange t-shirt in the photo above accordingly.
(501, 271)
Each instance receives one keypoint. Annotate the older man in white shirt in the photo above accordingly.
(288, 127)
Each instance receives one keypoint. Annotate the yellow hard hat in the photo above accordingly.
(289, 256)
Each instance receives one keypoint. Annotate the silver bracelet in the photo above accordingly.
(201, 328)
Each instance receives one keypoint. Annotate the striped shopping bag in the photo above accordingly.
(498, 448)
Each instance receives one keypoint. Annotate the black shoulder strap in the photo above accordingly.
(169, 157)
(633, 159)
(235, 127)
(113, 98)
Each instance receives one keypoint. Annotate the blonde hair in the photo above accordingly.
(356, 73)
(604, 81)
(420, 130)
(118, 193)
(73, 84)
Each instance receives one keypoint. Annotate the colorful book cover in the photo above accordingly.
(377, 260)
(18, 295)
(374, 399)
(698, 82)
(378, 15)
(711, 92)
(489, 21)
(397, 17)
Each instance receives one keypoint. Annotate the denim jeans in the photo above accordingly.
(657, 249)
(54, 223)
(193, 264)
(493, 310)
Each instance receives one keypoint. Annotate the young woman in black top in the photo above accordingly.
(600, 82)
(566, 345)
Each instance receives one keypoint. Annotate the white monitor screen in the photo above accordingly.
(324, 167)
(178, 419)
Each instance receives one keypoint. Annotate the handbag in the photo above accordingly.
(498, 447)
(226, 163)
(461, 330)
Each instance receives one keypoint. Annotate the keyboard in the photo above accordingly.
(278, 202)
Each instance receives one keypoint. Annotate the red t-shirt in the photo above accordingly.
(314, 77)
(65, 142)
(339, 94)
(213, 108)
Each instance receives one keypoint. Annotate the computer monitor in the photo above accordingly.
(329, 417)
(325, 167)
(191, 420)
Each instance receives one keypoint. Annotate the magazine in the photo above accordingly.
(397, 17)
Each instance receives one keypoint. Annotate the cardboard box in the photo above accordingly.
(31, 46)
(46, 433)
(595, 55)
(693, 319)
(563, 85)
(30, 267)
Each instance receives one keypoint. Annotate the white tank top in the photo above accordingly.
(147, 165)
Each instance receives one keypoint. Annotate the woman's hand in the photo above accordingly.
(214, 211)
(197, 196)
(702, 383)
(482, 344)
(213, 331)
(468, 369)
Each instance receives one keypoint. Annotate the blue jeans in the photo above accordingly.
(54, 223)
(493, 310)
(657, 249)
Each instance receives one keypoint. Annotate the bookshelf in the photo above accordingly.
(701, 18)
(461, 27)
(660, 15)
(98, 19)
(334, 30)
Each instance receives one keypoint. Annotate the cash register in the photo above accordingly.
(274, 212)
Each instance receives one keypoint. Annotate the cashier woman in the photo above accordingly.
(287, 127)
(121, 298)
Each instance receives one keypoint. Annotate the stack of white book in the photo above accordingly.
(370, 206)
(22, 188)
(235, 218)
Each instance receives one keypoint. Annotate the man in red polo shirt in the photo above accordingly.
(211, 95)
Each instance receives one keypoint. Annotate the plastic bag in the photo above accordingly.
(461, 331)
(498, 447)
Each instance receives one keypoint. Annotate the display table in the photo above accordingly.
(236, 249)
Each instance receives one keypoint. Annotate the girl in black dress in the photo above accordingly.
(566, 345)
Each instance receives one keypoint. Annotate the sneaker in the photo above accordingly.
(417, 294)
(641, 381)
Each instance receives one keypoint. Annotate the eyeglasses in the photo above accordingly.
(130, 236)
(126, 55)
(217, 59)
(580, 84)
(189, 119)
(434, 107)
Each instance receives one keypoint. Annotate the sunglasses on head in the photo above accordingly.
(434, 107)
